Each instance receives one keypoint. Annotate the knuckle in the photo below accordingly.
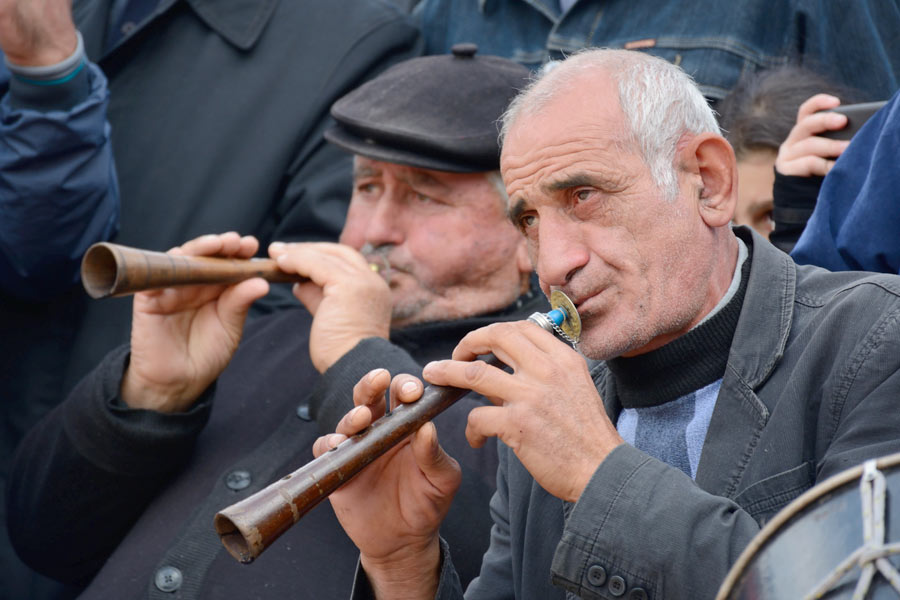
(474, 371)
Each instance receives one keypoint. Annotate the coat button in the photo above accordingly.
(168, 579)
(303, 412)
(616, 585)
(597, 575)
(238, 480)
(637, 594)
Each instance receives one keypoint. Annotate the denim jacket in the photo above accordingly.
(713, 41)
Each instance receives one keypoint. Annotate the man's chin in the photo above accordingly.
(600, 340)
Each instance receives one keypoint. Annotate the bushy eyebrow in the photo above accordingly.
(568, 182)
(421, 179)
(599, 181)
(360, 171)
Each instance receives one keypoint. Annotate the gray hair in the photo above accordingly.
(661, 103)
(496, 180)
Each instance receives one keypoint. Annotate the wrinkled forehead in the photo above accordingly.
(588, 103)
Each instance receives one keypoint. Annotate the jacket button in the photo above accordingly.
(616, 585)
(597, 575)
(168, 579)
(637, 594)
(303, 412)
(238, 480)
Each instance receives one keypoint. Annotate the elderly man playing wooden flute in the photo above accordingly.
(730, 381)
(116, 489)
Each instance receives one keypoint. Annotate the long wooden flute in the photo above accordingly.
(112, 270)
(248, 527)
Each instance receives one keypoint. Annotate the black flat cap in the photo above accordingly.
(433, 112)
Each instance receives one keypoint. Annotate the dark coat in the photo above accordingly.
(118, 495)
(217, 111)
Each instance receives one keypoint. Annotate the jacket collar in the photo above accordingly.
(740, 415)
(240, 22)
(770, 297)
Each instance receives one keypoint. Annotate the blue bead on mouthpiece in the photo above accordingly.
(557, 315)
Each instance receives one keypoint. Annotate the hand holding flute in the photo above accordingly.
(547, 411)
(183, 337)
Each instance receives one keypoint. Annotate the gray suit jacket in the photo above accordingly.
(810, 389)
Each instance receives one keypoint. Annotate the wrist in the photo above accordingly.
(415, 575)
(62, 55)
(138, 393)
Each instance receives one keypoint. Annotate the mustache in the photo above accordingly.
(380, 256)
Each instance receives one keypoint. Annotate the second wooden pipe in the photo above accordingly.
(249, 526)
(109, 270)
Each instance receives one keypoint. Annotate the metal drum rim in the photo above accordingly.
(797, 505)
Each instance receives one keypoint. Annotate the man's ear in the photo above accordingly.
(711, 157)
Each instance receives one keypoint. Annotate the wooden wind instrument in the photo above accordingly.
(249, 526)
(112, 270)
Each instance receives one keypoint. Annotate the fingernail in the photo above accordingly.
(372, 375)
(209, 237)
(409, 387)
(276, 246)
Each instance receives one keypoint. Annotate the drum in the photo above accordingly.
(837, 540)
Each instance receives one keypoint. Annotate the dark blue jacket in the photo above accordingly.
(857, 218)
(58, 189)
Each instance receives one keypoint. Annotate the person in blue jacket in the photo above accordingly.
(857, 216)
(58, 194)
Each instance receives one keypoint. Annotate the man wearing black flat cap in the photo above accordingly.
(116, 489)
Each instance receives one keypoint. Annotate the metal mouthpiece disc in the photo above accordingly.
(571, 322)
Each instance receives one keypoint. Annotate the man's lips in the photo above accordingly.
(584, 303)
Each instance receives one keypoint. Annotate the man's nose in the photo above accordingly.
(561, 250)
(385, 224)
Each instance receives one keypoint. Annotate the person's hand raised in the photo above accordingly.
(804, 152)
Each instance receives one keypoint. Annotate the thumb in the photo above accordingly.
(234, 303)
(441, 470)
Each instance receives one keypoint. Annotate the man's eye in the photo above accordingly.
(366, 188)
(584, 195)
(527, 221)
(424, 199)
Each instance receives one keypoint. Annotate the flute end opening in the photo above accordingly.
(99, 271)
(233, 540)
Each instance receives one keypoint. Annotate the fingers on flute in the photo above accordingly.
(406, 388)
(442, 470)
(369, 390)
(326, 442)
(223, 244)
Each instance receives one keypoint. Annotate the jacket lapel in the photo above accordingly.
(739, 415)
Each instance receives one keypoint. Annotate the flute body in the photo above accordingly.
(109, 270)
